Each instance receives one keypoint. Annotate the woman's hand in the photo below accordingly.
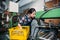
(19, 26)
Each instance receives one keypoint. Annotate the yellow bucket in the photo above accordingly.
(16, 33)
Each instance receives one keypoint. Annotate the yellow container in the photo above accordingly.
(16, 33)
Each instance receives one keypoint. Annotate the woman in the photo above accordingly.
(27, 19)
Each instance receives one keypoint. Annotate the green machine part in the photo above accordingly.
(11, 22)
(54, 13)
(39, 13)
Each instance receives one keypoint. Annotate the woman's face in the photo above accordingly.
(33, 14)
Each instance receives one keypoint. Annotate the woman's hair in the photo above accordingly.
(30, 11)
